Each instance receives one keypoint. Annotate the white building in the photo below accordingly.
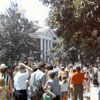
(48, 40)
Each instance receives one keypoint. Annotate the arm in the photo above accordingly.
(51, 93)
(27, 67)
(10, 87)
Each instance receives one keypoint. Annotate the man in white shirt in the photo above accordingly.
(20, 82)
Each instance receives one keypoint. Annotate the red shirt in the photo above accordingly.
(77, 78)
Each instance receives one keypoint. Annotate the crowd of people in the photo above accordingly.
(49, 82)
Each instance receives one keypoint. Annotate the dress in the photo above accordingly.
(64, 90)
(3, 93)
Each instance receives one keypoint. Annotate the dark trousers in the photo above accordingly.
(57, 98)
(20, 95)
(78, 91)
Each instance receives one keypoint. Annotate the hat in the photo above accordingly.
(2, 65)
(62, 67)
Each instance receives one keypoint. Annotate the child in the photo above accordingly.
(64, 88)
(4, 94)
(48, 95)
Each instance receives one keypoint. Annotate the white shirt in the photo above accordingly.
(20, 80)
(99, 77)
(64, 86)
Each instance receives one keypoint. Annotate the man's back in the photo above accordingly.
(36, 81)
(77, 78)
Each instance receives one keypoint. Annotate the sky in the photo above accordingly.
(34, 10)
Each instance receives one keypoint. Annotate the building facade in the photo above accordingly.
(47, 39)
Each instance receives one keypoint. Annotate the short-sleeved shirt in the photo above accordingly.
(20, 80)
(54, 85)
(64, 86)
(77, 78)
(37, 79)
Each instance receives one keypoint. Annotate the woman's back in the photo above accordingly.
(3, 93)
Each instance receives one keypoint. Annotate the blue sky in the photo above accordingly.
(34, 10)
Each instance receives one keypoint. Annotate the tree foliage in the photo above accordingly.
(15, 42)
(78, 23)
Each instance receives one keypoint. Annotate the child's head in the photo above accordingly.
(51, 74)
(2, 81)
(64, 79)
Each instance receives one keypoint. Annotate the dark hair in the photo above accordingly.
(49, 67)
(41, 65)
(78, 68)
(3, 69)
(26, 62)
(64, 78)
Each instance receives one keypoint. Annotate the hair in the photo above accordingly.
(64, 79)
(41, 65)
(21, 68)
(49, 67)
(52, 74)
(59, 78)
(2, 81)
(78, 68)
(26, 62)
(3, 69)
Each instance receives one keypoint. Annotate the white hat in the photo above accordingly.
(2, 65)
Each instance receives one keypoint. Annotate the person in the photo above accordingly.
(4, 90)
(99, 77)
(8, 81)
(48, 95)
(37, 82)
(87, 81)
(20, 82)
(77, 80)
(61, 72)
(64, 88)
(72, 70)
(53, 82)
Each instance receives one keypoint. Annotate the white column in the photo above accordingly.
(48, 45)
(51, 44)
(44, 49)
(41, 44)
(48, 49)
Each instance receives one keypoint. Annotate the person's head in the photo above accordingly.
(59, 78)
(21, 68)
(64, 79)
(78, 69)
(49, 67)
(74, 70)
(16, 69)
(3, 69)
(54, 66)
(41, 66)
(26, 63)
(62, 68)
(52, 74)
(2, 81)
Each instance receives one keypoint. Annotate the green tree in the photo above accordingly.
(78, 23)
(15, 43)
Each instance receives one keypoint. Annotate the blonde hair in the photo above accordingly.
(2, 81)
